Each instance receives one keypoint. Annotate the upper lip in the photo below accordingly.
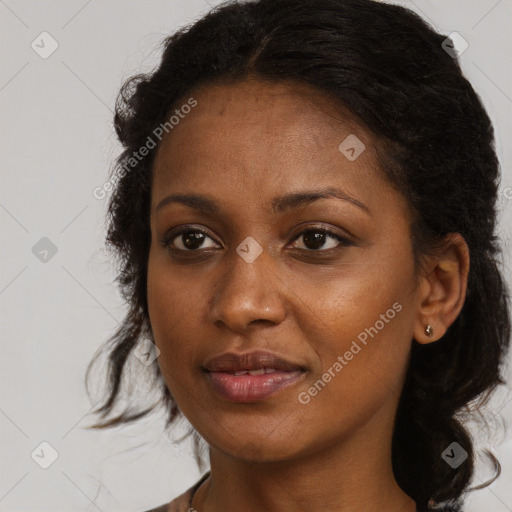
(232, 362)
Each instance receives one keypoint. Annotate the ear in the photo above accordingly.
(442, 289)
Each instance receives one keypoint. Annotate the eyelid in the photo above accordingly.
(344, 240)
(175, 232)
(326, 229)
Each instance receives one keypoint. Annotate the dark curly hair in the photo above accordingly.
(436, 145)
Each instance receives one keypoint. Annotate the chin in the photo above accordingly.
(259, 448)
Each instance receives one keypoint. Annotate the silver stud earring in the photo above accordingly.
(429, 330)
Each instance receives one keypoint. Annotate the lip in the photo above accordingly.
(250, 388)
(231, 362)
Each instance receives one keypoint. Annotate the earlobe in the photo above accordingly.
(443, 290)
(426, 333)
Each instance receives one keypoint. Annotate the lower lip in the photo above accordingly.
(250, 388)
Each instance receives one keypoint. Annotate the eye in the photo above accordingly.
(189, 240)
(316, 237)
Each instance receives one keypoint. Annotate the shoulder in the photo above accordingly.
(178, 504)
(182, 502)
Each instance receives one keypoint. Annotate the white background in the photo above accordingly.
(57, 143)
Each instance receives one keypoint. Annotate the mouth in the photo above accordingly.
(251, 377)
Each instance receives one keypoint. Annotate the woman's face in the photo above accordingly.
(340, 306)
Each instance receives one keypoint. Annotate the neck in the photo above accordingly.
(349, 476)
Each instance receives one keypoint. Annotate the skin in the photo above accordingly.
(243, 145)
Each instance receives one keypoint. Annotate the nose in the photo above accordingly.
(248, 294)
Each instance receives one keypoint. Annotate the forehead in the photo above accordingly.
(287, 108)
(263, 137)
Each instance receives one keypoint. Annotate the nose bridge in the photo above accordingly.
(249, 289)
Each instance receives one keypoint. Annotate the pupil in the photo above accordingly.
(194, 238)
(317, 239)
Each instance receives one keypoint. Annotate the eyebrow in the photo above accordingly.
(279, 204)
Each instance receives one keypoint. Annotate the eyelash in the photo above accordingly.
(166, 241)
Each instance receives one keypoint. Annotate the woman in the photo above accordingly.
(305, 217)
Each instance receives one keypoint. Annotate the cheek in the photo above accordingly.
(171, 298)
(360, 326)
(361, 362)
(173, 311)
